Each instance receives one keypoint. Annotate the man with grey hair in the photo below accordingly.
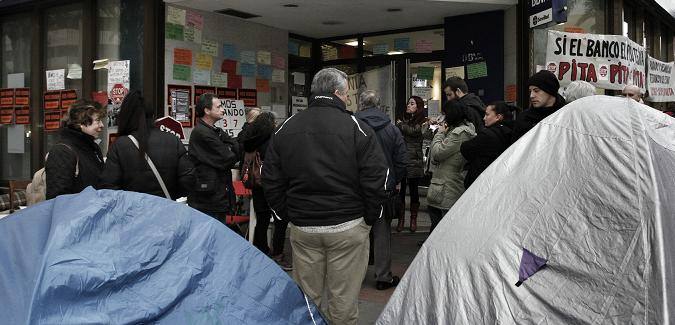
(633, 92)
(578, 89)
(394, 148)
(325, 173)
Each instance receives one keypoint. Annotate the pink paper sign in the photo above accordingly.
(195, 20)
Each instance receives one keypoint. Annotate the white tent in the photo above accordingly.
(592, 190)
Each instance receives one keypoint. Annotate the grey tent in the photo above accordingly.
(586, 200)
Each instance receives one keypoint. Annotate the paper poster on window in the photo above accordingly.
(380, 49)
(204, 61)
(425, 73)
(200, 90)
(6, 115)
(182, 56)
(229, 66)
(278, 75)
(424, 46)
(22, 106)
(606, 61)
(210, 47)
(15, 80)
(249, 96)
(56, 79)
(192, 34)
(68, 97)
(422, 92)
(182, 72)
(52, 110)
(264, 57)
(476, 70)
(173, 31)
(195, 20)
(247, 69)
(298, 104)
(175, 15)
(262, 85)
(230, 51)
(118, 87)
(661, 81)
(278, 61)
(180, 108)
(219, 79)
(298, 78)
(455, 72)
(74, 71)
(15, 139)
(234, 116)
(402, 43)
(265, 72)
(247, 57)
(201, 77)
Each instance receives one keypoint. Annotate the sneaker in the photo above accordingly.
(282, 263)
(381, 285)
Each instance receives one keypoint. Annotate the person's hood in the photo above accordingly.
(374, 117)
(473, 101)
(256, 132)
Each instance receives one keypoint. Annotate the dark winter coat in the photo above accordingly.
(482, 150)
(324, 167)
(213, 154)
(61, 163)
(391, 141)
(533, 115)
(475, 110)
(414, 135)
(125, 169)
(256, 136)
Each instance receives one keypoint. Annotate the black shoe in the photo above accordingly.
(381, 285)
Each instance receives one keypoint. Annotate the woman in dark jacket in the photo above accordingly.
(75, 161)
(126, 167)
(255, 137)
(414, 127)
(490, 142)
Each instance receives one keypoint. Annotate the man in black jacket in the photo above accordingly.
(456, 88)
(213, 153)
(325, 173)
(544, 101)
(394, 148)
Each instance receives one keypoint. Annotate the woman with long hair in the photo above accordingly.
(127, 167)
(447, 184)
(76, 161)
(414, 127)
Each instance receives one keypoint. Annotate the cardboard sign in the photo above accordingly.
(6, 115)
(22, 115)
(21, 96)
(661, 81)
(169, 125)
(7, 97)
(249, 96)
(68, 97)
(179, 98)
(235, 116)
(200, 90)
(606, 61)
(52, 107)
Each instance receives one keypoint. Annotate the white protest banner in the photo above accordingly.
(235, 116)
(661, 81)
(606, 61)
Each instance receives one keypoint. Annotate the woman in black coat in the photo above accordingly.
(490, 142)
(76, 161)
(126, 167)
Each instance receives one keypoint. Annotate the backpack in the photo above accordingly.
(251, 171)
(36, 191)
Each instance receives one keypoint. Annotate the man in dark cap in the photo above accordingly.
(544, 101)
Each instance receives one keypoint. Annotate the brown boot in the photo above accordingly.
(401, 216)
(414, 207)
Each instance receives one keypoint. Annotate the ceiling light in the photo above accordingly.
(352, 43)
(395, 52)
(290, 5)
(394, 9)
(332, 23)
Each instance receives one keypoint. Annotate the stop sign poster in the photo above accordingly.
(118, 87)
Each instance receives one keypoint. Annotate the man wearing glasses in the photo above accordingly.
(213, 153)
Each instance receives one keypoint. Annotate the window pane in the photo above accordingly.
(341, 49)
(413, 42)
(16, 54)
(63, 30)
(299, 48)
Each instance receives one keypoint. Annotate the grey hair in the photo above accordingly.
(328, 80)
(578, 89)
(368, 99)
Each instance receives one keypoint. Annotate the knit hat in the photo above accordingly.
(546, 81)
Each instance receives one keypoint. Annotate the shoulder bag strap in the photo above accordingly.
(152, 166)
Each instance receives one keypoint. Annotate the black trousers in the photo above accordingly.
(436, 216)
(413, 184)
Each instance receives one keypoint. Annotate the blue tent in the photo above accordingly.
(113, 257)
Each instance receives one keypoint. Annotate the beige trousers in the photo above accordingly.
(335, 264)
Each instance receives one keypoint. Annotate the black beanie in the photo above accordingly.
(546, 81)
